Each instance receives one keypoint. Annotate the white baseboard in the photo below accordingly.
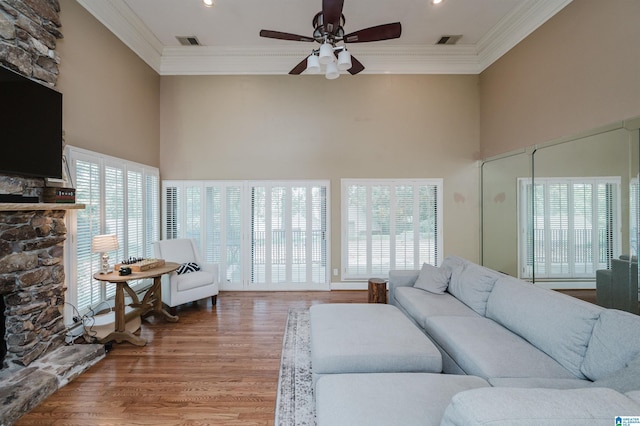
(356, 285)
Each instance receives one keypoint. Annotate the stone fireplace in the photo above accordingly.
(32, 283)
(36, 359)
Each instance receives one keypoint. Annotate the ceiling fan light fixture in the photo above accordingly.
(313, 64)
(344, 60)
(332, 71)
(326, 53)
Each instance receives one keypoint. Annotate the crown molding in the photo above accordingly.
(515, 27)
(118, 17)
(377, 60)
(403, 59)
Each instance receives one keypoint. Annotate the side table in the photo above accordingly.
(151, 301)
(377, 290)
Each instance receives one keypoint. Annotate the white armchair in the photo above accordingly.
(182, 288)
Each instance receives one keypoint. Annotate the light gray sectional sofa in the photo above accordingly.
(512, 353)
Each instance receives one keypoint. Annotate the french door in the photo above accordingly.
(264, 235)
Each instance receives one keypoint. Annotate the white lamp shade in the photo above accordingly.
(326, 54)
(344, 60)
(104, 243)
(313, 64)
(332, 71)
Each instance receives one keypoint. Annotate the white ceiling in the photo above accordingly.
(230, 44)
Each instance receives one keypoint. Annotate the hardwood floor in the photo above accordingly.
(217, 366)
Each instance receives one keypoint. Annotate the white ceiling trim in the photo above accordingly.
(516, 27)
(209, 60)
(377, 60)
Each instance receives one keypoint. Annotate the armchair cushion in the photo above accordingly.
(193, 280)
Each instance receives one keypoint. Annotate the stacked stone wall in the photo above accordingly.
(32, 283)
(29, 30)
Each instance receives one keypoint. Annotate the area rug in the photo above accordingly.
(295, 404)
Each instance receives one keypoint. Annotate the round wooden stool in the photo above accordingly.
(377, 290)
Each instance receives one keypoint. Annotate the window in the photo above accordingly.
(264, 235)
(390, 224)
(121, 197)
(572, 229)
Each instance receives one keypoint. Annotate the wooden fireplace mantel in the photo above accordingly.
(14, 207)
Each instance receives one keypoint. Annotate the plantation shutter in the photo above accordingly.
(390, 224)
(111, 190)
(172, 208)
(233, 226)
(151, 212)
(317, 246)
(88, 226)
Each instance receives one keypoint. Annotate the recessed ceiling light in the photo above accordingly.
(209, 3)
(436, 1)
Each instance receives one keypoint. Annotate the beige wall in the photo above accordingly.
(111, 98)
(307, 127)
(578, 71)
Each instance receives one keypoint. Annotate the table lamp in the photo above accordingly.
(104, 244)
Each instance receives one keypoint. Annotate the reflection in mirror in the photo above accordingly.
(567, 216)
(580, 211)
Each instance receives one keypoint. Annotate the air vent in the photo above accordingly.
(188, 40)
(449, 39)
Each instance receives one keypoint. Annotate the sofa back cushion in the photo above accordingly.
(557, 324)
(471, 283)
(614, 343)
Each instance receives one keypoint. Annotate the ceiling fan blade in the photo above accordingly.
(356, 66)
(300, 67)
(331, 14)
(284, 36)
(377, 33)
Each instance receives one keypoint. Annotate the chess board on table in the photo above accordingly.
(140, 265)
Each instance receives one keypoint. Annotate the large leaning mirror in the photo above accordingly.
(500, 177)
(564, 215)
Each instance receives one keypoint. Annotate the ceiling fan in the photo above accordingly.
(328, 31)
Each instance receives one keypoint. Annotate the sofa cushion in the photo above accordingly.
(471, 284)
(555, 323)
(420, 304)
(388, 399)
(539, 382)
(626, 379)
(614, 342)
(634, 395)
(433, 279)
(451, 263)
(537, 407)
(484, 348)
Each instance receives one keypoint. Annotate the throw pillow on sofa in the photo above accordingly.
(433, 279)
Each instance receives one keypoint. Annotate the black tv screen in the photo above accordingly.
(30, 127)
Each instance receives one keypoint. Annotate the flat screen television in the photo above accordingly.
(30, 127)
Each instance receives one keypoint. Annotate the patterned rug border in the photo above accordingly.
(295, 405)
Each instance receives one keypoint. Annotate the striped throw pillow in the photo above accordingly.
(188, 267)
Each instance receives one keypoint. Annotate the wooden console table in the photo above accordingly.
(151, 301)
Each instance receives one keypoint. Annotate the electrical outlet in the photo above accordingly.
(335, 272)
